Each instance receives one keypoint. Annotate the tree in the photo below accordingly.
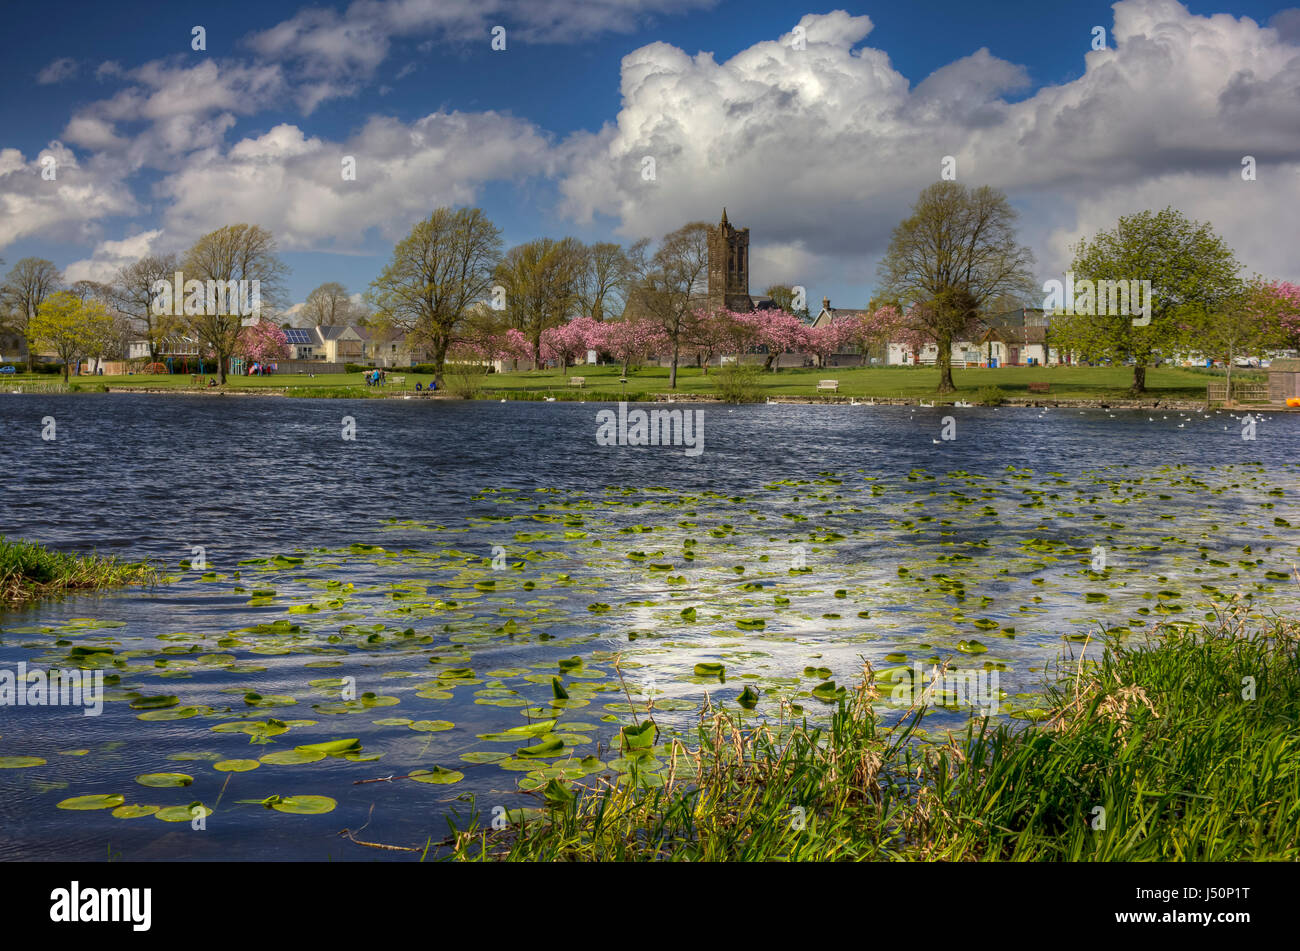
(541, 280)
(131, 292)
(568, 341)
(777, 331)
(328, 306)
(27, 286)
(263, 342)
(1281, 302)
(881, 325)
(607, 273)
(783, 296)
(437, 273)
(671, 284)
(955, 252)
(1192, 273)
(69, 327)
(713, 332)
(221, 259)
(830, 338)
(630, 340)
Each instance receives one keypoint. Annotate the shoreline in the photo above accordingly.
(1125, 403)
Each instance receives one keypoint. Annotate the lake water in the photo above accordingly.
(417, 587)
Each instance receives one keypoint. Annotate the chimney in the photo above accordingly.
(826, 303)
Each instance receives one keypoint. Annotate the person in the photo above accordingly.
(383, 377)
(212, 381)
(418, 386)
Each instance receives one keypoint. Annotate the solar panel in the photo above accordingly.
(297, 335)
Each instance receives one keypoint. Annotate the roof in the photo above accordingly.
(299, 335)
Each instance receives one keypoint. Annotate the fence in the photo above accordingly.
(1241, 393)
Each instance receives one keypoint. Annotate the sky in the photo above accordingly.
(815, 126)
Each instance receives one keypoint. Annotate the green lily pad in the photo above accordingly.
(236, 765)
(164, 780)
(437, 776)
(85, 803)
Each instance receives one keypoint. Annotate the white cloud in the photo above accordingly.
(293, 184)
(110, 256)
(58, 71)
(71, 206)
(825, 148)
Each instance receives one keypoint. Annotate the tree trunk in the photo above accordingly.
(439, 360)
(672, 373)
(1139, 378)
(945, 365)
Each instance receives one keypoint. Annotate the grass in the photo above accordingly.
(1166, 738)
(602, 382)
(29, 571)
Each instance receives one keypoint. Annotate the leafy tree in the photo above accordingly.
(69, 327)
(542, 282)
(607, 274)
(1193, 273)
(954, 253)
(28, 284)
(437, 273)
(783, 296)
(221, 259)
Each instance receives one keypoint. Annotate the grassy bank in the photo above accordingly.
(1185, 749)
(29, 571)
(602, 382)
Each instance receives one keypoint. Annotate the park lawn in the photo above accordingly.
(602, 382)
(872, 382)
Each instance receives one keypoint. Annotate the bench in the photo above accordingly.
(1039, 387)
(399, 380)
(577, 381)
(832, 385)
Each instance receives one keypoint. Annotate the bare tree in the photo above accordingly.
(234, 253)
(328, 306)
(27, 286)
(437, 273)
(608, 273)
(131, 293)
(957, 251)
(672, 284)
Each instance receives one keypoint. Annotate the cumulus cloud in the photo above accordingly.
(71, 206)
(293, 183)
(825, 147)
(110, 256)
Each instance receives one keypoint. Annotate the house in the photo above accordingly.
(849, 353)
(1020, 337)
(1283, 381)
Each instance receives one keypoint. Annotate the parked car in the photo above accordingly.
(7, 370)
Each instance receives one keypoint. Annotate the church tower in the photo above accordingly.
(729, 267)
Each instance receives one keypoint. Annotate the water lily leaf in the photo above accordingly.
(331, 747)
(293, 757)
(437, 776)
(431, 726)
(84, 803)
(303, 805)
(547, 747)
(236, 765)
(133, 811)
(710, 670)
(155, 703)
(20, 762)
(748, 698)
(164, 780)
(183, 813)
(638, 737)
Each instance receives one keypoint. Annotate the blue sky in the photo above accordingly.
(819, 156)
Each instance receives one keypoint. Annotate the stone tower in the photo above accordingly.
(729, 267)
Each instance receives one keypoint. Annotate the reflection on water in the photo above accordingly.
(453, 571)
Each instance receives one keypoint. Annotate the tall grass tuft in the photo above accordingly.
(1183, 748)
(29, 571)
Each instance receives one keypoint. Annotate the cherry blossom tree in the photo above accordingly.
(629, 340)
(830, 338)
(568, 341)
(776, 330)
(263, 342)
(714, 332)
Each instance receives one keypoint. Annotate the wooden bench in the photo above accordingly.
(577, 381)
(1039, 387)
(399, 380)
(832, 385)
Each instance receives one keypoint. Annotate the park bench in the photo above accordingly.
(399, 380)
(577, 381)
(832, 385)
(1039, 387)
